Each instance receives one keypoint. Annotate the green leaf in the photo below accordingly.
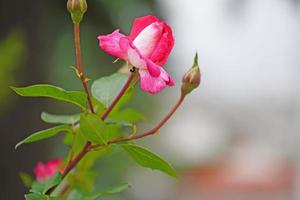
(47, 133)
(117, 121)
(148, 159)
(113, 131)
(116, 189)
(40, 197)
(26, 179)
(76, 195)
(45, 90)
(41, 187)
(99, 107)
(128, 115)
(60, 119)
(93, 128)
(106, 88)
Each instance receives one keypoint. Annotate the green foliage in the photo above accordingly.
(83, 179)
(47, 133)
(60, 119)
(116, 189)
(41, 187)
(99, 107)
(76, 195)
(93, 128)
(33, 196)
(75, 140)
(148, 159)
(126, 118)
(26, 179)
(129, 115)
(45, 90)
(106, 88)
(113, 131)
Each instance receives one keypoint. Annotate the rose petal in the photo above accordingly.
(43, 171)
(140, 23)
(167, 78)
(163, 48)
(146, 41)
(111, 44)
(131, 53)
(153, 84)
(134, 57)
(153, 68)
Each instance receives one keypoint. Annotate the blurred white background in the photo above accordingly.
(243, 124)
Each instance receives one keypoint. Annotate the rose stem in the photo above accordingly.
(150, 132)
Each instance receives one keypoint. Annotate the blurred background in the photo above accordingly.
(236, 137)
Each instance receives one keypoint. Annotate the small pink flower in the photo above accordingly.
(45, 170)
(147, 47)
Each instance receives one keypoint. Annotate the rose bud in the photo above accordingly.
(192, 78)
(77, 8)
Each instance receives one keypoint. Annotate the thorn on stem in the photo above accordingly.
(87, 79)
(116, 60)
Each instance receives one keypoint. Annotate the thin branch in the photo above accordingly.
(74, 162)
(148, 133)
(118, 97)
(79, 65)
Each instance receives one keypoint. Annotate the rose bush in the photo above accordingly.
(105, 115)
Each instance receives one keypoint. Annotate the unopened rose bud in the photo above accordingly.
(192, 78)
(77, 8)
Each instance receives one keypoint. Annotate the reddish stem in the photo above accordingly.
(74, 161)
(118, 97)
(80, 66)
(150, 132)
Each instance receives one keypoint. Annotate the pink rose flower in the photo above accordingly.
(147, 47)
(43, 171)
